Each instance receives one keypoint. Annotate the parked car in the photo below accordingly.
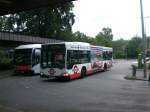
(135, 63)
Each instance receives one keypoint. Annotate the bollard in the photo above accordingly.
(139, 60)
(149, 78)
(133, 70)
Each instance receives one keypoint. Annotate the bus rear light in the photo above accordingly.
(23, 67)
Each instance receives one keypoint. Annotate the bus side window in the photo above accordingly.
(99, 56)
(84, 57)
(104, 55)
(107, 55)
(72, 58)
(110, 56)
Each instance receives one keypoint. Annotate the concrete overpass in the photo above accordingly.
(10, 40)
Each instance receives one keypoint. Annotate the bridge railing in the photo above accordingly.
(28, 39)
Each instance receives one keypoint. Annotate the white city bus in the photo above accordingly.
(101, 58)
(27, 58)
(72, 60)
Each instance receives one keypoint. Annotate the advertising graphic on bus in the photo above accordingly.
(74, 59)
(27, 58)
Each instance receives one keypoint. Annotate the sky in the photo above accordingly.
(122, 16)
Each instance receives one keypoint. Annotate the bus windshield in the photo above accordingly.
(53, 56)
(22, 56)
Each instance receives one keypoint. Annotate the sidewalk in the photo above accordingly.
(139, 75)
(6, 73)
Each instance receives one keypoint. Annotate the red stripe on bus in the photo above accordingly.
(22, 67)
(75, 75)
(89, 72)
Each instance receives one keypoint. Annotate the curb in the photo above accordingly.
(5, 74)
(129, 77)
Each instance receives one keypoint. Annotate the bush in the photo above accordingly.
(6, 63)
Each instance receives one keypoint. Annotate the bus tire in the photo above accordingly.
(83, 72)
(105, 67)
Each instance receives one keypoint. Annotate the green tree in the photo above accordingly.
(120, 48)
(81, 37)
(6, 23)
(50, 22)
(78, 36)
(134, 47)
(105, 37)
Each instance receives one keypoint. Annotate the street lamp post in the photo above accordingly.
(144, 40)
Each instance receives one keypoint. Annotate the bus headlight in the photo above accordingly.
(66, 74)
(41, 73)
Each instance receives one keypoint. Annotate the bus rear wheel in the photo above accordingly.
(83, 72)
(105, 67)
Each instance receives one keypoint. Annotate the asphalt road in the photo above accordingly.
(103, 92)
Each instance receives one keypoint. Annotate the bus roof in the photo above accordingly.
(82, 46)
(101, 48)
(96, 48)
(68, 43)
(74, 45)
(29, 46)
(107, 49)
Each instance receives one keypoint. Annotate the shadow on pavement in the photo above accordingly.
(24, 75)
(6, 73)
(61, 80)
